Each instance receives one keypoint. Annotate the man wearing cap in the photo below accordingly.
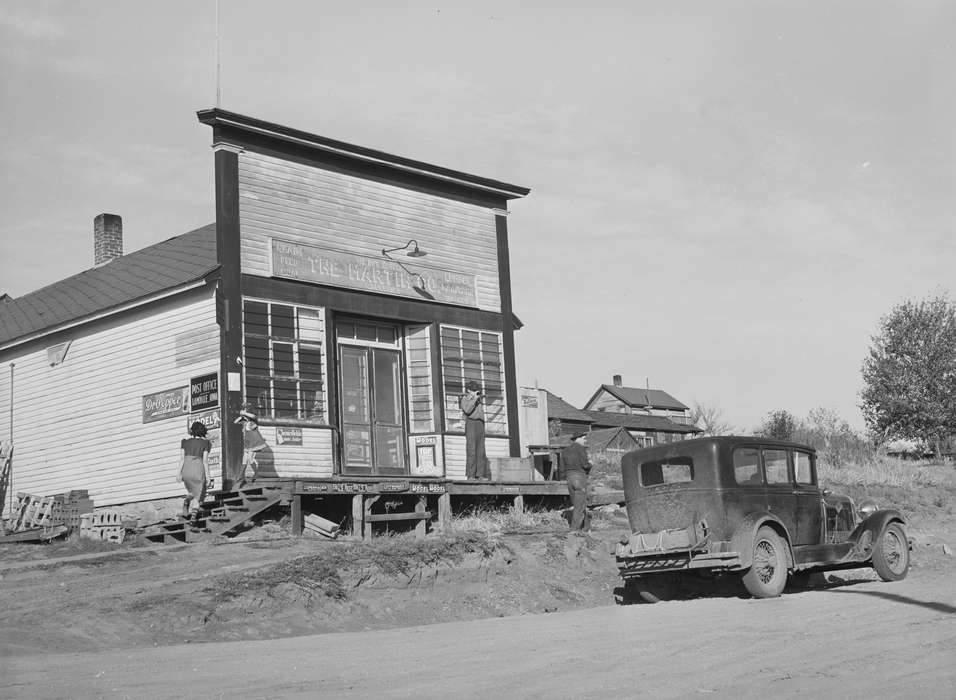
(252, 442)
(476, 462)
(575, 466)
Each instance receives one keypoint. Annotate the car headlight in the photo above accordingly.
(868, 508)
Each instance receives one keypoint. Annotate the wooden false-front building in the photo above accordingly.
(344, 295)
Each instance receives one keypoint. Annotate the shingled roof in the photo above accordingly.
(637, 397)
(143, 273)
(639, 421)
(562, 410)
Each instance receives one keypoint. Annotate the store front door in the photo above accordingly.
(373, 432)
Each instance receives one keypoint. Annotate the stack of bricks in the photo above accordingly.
(73, 505)
(102, 526)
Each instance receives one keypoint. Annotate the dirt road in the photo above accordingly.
(864, 640)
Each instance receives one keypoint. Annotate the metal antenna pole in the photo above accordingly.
(218, 88)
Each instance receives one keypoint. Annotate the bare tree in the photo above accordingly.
(710, 419)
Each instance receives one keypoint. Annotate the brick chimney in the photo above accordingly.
(617, 380)
(107, 238)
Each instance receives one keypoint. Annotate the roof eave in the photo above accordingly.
(199, 281)
(220, 117)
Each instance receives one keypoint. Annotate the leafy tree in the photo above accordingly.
(779, 425)
(710, 419)
(836, 442)
(909, 374)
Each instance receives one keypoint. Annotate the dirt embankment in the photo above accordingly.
(270, 588)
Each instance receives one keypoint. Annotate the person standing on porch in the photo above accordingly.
(575, 466)
(472, 410)
(252, 442)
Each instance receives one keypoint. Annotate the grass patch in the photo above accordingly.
(324, 573)
(490, 522)
(888, 471)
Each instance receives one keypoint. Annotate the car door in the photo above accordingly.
(808, 499)
(780, 496)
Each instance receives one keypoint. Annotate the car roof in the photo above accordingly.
(696, 444)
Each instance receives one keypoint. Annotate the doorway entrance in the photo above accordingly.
(371, 399)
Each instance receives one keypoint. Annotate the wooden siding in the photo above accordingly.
(311, 459)
(455, 453)
(79, 424)
(311, 206)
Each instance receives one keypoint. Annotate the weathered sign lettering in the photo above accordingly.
(340, 269)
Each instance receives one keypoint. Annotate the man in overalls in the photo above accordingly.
(575, 466)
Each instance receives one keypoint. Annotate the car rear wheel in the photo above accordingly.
(655, 588)
(768, 574)
(891, 554)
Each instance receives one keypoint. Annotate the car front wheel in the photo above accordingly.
(768, 574)
(891, 554)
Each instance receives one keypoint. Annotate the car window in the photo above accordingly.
(670, 471)
(801, 468)
(747, 465)
(775, 466)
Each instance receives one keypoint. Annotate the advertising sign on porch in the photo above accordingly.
(399, 278)
(426, 452)
(204, 391)
(288, 436)
(166, 404)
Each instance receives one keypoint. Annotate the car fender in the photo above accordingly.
(743, 538)
(865, 534)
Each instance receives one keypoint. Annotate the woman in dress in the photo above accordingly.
(194, 467)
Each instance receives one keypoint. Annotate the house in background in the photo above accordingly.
(616, 398)
(565, 419)
(648, 416)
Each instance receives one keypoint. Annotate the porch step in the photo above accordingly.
(227, 511)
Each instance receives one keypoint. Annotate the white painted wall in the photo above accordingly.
(309, 206)
(79, 424)
(455, 453)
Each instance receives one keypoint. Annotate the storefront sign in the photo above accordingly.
(210, 419)
(427, 488)
(166, 404)
(204, 392)
(311, 264)
(288, 436)
(381, 487)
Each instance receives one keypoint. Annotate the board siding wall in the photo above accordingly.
(311, 459)
(79, 424)
(311, 206)
(455, 453)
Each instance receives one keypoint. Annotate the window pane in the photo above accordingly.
(801, 468)
(345, 329)
(282, 362)
(313, 401)
(386, 334)
(287, 403)
(283, 321)
(387, 388)
(255, 317)
(674, 471)
(747, 466)
(365, 331)
(257, 355)
(775, 465)
(259, 395)
(310, 324)
(310, 363)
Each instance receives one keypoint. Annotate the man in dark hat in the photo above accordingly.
(472, 410)
(575, 466)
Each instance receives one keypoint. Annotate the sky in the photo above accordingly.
(726, 197)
